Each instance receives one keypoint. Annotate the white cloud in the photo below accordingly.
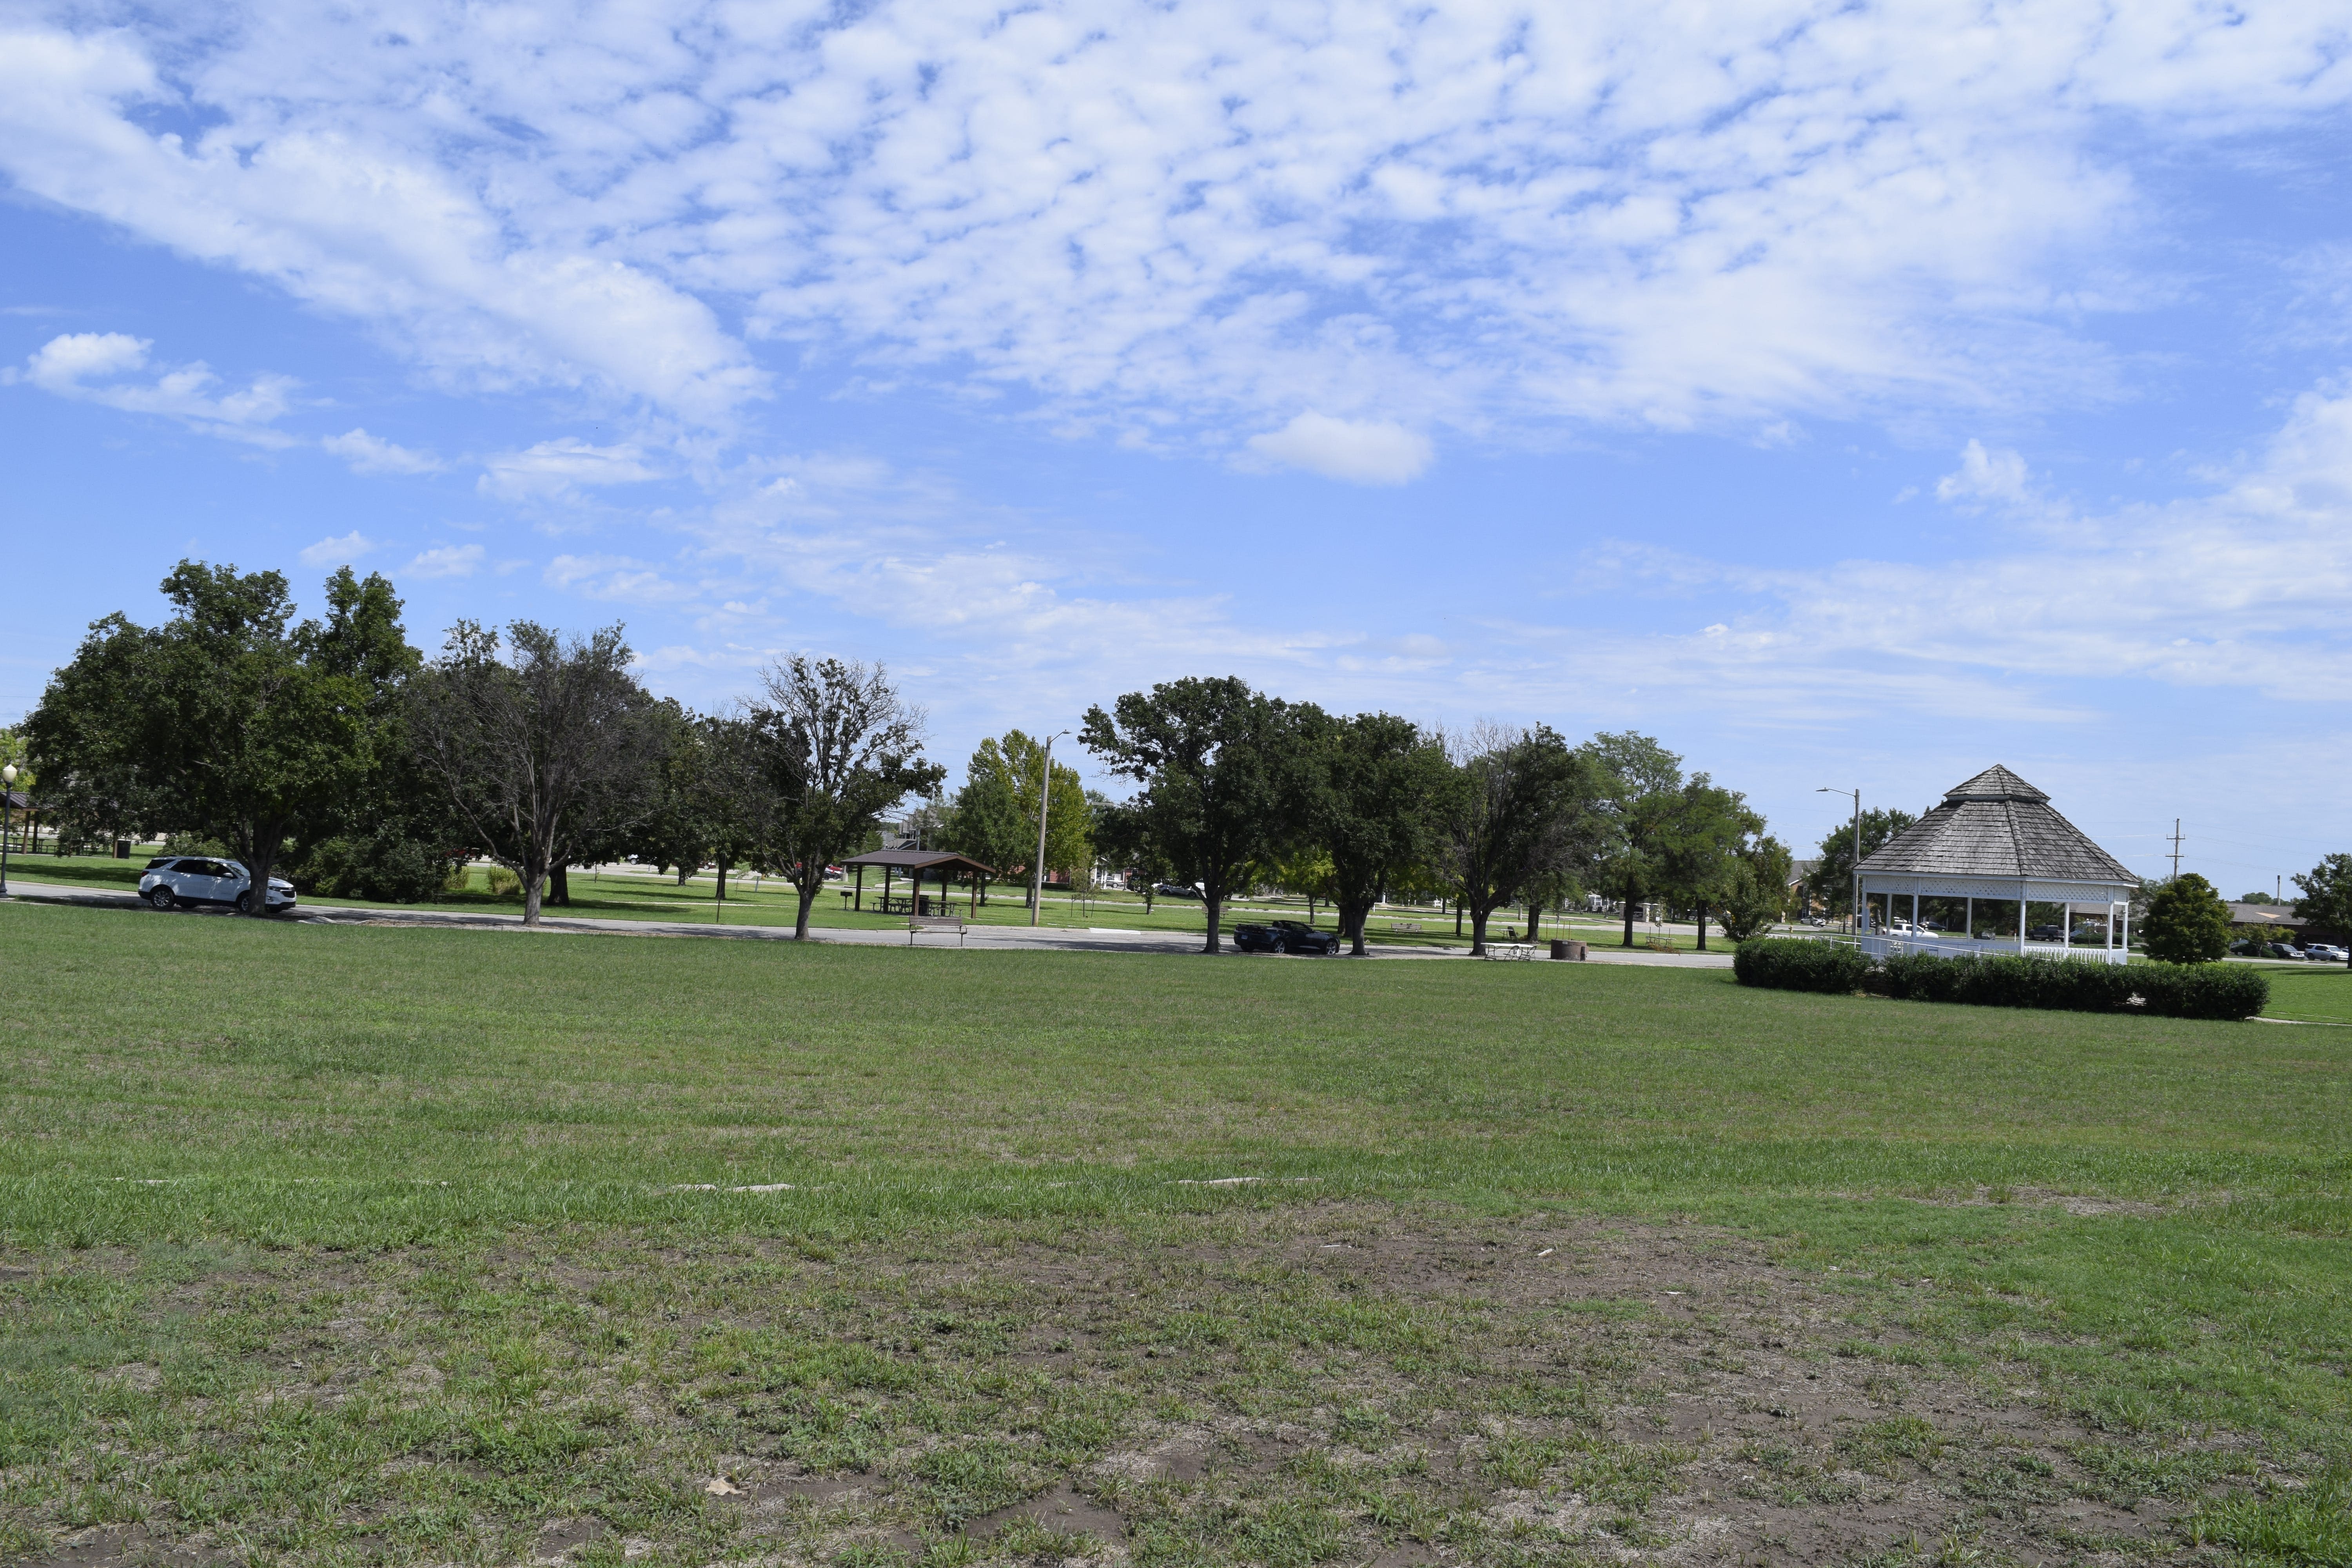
(338, 552)
(1367, 453)
(559, 467)
(1985, 476)
(1479, 216)
(448, 561)
(372, 455)
(95, 367)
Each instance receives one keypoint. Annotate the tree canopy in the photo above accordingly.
(2187, 922)
(2325, 896)
(1217, 762)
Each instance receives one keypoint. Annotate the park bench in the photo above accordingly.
(1525, 950)
(917, 924)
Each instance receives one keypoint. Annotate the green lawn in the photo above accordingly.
(765, 901)
(326, 1243)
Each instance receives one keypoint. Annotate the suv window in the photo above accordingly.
(161, 863)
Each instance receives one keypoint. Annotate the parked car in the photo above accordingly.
(2282, 950)
(2326, 953)
(1286, 936)
(174, 880)
(2047, 931)
(1176, 890)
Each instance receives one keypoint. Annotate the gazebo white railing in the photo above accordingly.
(1896, 924)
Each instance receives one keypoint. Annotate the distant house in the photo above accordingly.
(1799, 873)
(2266, 917)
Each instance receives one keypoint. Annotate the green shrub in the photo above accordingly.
(504, 884)
(386, 867)
(1797, 963)
(2187, 922)
(2072, 985)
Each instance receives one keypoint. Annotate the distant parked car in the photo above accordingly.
(2282, 950)
(2326, 953)
(1286, 936)
(1176, 890)
(2047, 933)
(174, 880)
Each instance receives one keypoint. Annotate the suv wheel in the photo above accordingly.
(245, 902)
(161, 897)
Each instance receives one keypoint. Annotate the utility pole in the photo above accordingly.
(2176, 849)
(1856, 793)
(1045, 794)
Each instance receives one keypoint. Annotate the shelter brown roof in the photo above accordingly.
(1997, 825)
(919, 860)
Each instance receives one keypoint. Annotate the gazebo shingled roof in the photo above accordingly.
(1997, 825)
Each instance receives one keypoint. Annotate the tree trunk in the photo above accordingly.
(1351, 926)
(260, 855)
(1702, 928)
(558, 885)
(1629, 920)
(720, 897)
(531, 889)
(808, 898)
(1457, 917)
(1535, 917)
(1216, 905)
(686, 873)
(1478, 932)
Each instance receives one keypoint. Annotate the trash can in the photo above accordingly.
(1563, 948)
(123, 849)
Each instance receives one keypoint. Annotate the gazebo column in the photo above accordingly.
(2066, 928)
(2021, 919)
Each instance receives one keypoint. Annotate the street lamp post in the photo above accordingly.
(8, 800)
(1045, 797)
(1857, 792)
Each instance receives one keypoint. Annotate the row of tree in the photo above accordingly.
(1237, 789)
(333, 747)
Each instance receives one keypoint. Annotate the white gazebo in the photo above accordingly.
(1961, 879)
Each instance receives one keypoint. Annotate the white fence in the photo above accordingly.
(1884, 945)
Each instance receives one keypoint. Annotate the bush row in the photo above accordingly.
(2074, 985)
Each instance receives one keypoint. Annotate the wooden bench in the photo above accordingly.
(1500, 949)
(917, 924)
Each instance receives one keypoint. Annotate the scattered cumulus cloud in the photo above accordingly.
(1996, 476)
(110, 369)
(1368, 453)
(561, 466)
(448, 561)
(338, 552)
(1731, 217)
(369, 454)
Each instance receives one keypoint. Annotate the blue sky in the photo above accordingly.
(1844, 395)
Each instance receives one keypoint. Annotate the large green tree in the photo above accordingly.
(994, 817)
(544, 745)
(1372, 787)
(1218, 763)
(840, 747)
(1640, 796)
(1697, 853)
(2324, 897)
(1520, 812)
(227, 720)
(2187, 922)
(1831, 881)
(1754, 892)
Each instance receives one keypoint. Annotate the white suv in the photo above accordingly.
(177, 879)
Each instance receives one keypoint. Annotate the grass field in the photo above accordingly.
(649, 896)
(330, 1245)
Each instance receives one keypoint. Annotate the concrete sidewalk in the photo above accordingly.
(1006, 939)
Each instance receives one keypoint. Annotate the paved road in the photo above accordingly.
(991, 937)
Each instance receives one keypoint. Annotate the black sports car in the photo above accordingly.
(1286, 936)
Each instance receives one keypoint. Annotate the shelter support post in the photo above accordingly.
(860, 903)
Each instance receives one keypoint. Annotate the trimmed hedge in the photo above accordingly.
(1792, 963)
(2074, 985)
